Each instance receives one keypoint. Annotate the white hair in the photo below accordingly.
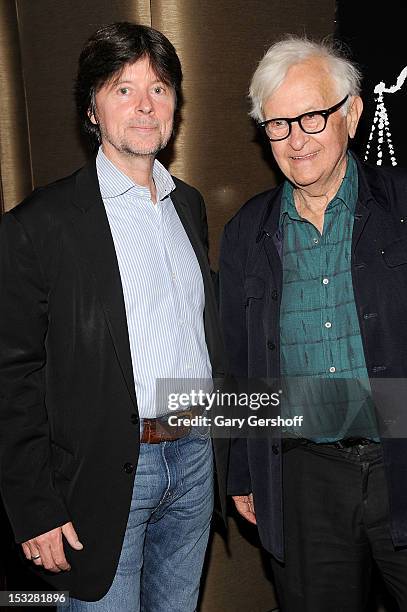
(292, 50)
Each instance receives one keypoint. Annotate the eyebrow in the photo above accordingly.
(119, 81)
(306, 112)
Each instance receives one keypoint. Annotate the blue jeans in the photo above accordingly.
(167, 530)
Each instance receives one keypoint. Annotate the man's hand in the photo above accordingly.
(47, 549)
(245, 506)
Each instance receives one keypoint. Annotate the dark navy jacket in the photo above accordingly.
(250, 293)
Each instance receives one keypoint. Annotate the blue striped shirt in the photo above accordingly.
(162, 285)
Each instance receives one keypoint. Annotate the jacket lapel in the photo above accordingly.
(96, 244)
(270, 234)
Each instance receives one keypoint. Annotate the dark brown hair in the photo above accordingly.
(106, 53)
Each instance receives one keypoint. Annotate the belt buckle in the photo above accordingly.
(184, 430)
(352, 442)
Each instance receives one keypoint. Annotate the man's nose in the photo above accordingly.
(297, 137)
(144, 103)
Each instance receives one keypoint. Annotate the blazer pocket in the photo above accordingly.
(395, 254)
(254, 288)
(63, 461)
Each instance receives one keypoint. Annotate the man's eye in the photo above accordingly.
(124, 91)
(158, 89)
(278, 123)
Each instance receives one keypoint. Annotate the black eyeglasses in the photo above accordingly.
(310, 123)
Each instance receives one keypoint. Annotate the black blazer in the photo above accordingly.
(69, 427)
(250, 296)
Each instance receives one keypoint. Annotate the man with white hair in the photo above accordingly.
(314, 293)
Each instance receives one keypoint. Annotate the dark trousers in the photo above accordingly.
(336, 525)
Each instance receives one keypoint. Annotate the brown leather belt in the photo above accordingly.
(158, 430)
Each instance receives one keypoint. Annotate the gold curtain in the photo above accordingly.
(15, 167)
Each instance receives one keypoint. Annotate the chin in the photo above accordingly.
(141, 148)
(304, 181)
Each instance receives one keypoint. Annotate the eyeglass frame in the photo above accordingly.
(325, 113)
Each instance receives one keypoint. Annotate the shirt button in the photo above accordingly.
(316, 241)
(325, 281)
(328, 324)
(332, 369)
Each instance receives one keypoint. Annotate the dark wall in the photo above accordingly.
(376, 40)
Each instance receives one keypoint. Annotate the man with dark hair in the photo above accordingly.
(105, 56)
(105, 288)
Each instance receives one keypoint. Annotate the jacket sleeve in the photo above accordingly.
(233, 318)
(26, 483)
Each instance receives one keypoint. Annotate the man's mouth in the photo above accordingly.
(143, 127)
(307, 156)
(146, 125)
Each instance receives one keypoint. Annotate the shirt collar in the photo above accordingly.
(347, 192)
(114, 183)
(287, 202)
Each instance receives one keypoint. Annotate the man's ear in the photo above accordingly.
(91, 115)
(92, 112)
(354, 112)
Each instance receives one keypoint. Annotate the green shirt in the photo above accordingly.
(322, 358)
